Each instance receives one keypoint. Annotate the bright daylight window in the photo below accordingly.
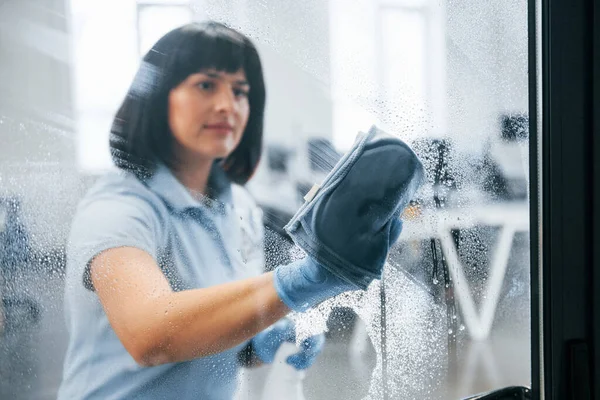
(115, 30)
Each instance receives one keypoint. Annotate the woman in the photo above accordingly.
(164, 286)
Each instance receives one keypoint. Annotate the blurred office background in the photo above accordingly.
(447, 76)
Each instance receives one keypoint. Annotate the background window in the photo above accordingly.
(110, 38)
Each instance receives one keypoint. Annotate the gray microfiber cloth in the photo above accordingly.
(346, 223)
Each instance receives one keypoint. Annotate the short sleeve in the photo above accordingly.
(110, 222)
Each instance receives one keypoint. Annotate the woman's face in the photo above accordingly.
(208, 113)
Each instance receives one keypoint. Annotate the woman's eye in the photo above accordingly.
(240, 92)
(206, 85)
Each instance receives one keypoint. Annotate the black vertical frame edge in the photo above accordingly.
(533, 42)
(543, 242)
(596, 200)
(569, 190)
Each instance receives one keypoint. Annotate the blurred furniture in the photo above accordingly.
(509, 217)
(443, 220)
(273, 184)
(322, 155)
(15, 252)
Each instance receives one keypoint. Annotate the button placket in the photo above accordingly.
(213, 232)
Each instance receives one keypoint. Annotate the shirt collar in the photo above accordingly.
(178, 197)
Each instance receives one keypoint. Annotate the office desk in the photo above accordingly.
(510, 218)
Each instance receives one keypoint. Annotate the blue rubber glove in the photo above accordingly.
(267, 342)
(304, 283)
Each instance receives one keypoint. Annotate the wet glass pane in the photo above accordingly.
(449, 318)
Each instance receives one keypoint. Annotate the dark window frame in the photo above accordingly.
(569, 210)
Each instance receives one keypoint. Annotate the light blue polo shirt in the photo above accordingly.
(196, 244)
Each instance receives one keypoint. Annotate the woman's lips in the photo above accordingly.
(219, 128)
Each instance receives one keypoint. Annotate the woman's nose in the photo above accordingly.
(224, 100)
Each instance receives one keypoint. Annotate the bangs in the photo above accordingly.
(208, 46)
